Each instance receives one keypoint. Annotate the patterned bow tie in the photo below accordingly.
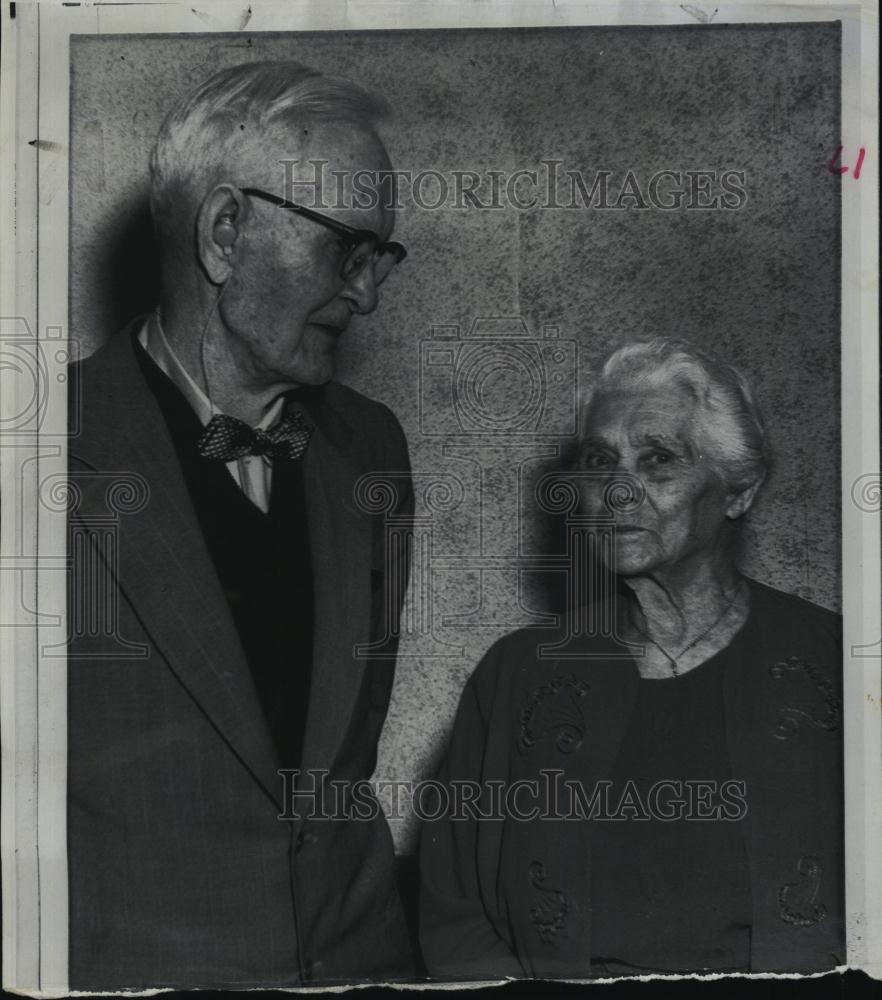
(227, 438)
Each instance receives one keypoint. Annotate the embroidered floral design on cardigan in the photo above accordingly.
(551, 908)
(797, 900)
(789, 718)
(553, 712)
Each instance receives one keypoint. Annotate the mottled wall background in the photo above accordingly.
(759, 285)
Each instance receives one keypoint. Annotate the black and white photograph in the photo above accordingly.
(441, 495)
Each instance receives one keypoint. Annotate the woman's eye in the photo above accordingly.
(595, 460)
(661, 458)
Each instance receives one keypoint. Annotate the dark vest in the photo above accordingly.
(263, 563)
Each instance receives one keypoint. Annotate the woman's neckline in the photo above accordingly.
(699, 667)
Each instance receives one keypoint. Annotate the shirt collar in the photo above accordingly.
(152, 338)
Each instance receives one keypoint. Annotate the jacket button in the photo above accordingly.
(302, 840)
(311, 970)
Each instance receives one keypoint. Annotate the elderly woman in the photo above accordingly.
(671, 799)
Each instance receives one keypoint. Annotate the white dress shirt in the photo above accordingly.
(252, 473)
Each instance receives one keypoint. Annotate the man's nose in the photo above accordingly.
(361, 291)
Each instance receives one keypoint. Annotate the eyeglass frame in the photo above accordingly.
(350, 234)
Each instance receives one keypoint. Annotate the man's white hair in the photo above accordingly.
(729, 431)
(205, 133)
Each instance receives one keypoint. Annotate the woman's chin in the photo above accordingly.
(630, 563)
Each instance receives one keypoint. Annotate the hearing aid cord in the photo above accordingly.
(204, 337)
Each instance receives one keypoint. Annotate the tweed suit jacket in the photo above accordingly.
(181, 872)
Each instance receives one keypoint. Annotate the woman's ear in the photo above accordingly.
(218, 230)
(738, 504)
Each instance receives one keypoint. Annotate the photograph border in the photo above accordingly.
(34, 227)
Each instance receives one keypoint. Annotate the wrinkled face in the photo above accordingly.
(285, 305)
(683, 514)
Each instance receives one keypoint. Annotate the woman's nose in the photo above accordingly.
(627, 464)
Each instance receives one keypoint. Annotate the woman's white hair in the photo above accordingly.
(729, 431)
(202, 136)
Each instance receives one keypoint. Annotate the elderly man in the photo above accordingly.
(243, 575)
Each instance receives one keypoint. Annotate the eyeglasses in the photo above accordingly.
(363, 246)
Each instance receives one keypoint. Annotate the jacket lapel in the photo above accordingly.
(340, 537)
(165, 571)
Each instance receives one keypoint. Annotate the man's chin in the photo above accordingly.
(314, 367)
(313, 375)
(317, 364)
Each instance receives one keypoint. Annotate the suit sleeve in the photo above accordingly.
(457, 935)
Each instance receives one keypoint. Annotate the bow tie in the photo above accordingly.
(227, 438)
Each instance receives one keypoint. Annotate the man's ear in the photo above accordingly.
(218, 229)
(738, 504)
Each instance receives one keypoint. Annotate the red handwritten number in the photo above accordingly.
(860, 161)
(833, 165)
(835, 168)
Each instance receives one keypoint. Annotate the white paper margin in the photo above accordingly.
(34, 301)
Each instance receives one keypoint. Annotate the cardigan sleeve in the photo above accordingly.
(458, 937)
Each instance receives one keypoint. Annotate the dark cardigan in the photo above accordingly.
(512, 897)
